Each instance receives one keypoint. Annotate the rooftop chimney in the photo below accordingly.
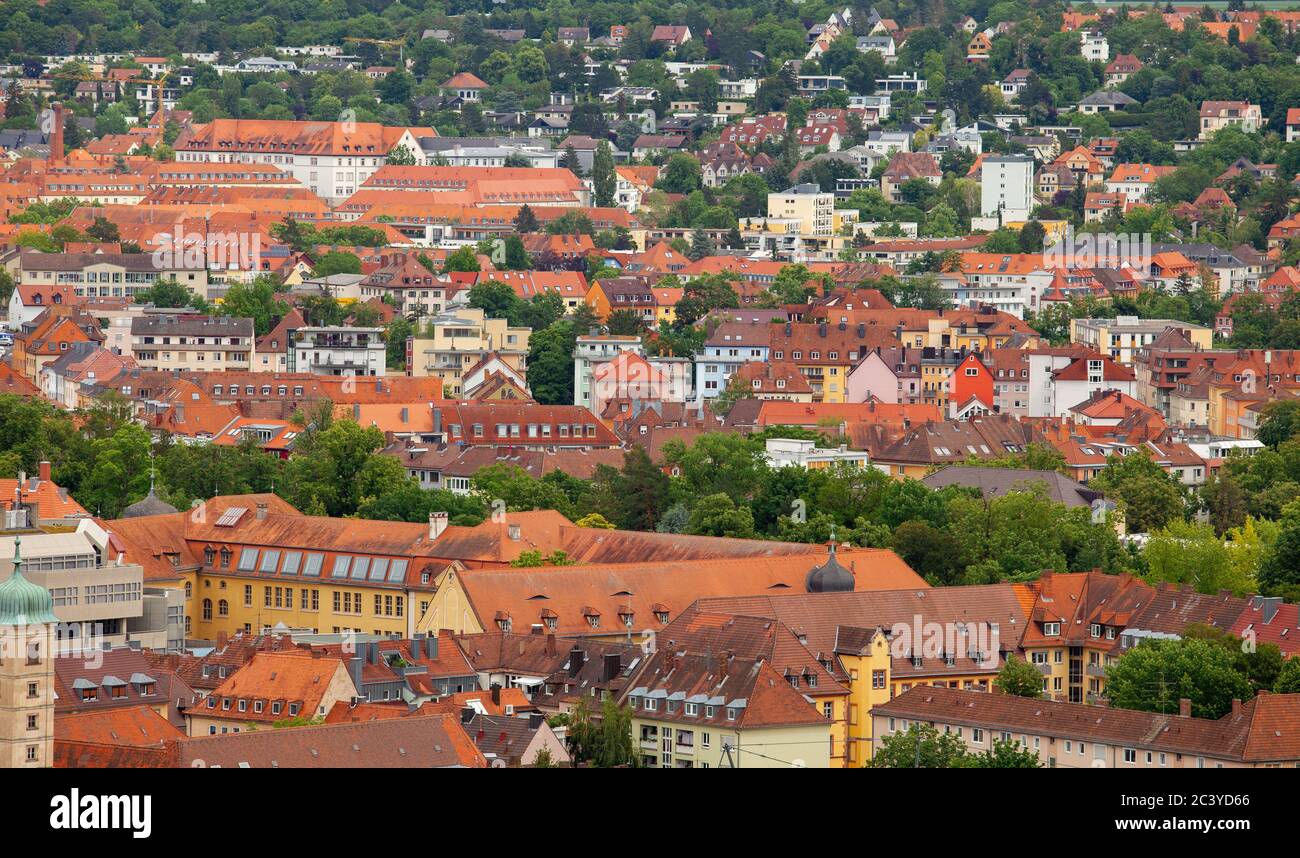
(535, 720)
(550, 644)
(496, 694)
(261, 512)
(1184, 707)
(1236, 706)
(56, 134)
(513, 530)
(437, 524)
(44, 471)
(613, 665)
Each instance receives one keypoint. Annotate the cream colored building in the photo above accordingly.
(193, 343)
(1121, 337)
(98, 597)
(448, 345)
(812, 208)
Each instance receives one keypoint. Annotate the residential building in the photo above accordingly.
(448, 345)
(192, 342)
(1121, 338)
(1229, 114)
(272, 687)
(338, 350)
(1072, 735)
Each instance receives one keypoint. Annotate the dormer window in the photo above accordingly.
(1051, 630)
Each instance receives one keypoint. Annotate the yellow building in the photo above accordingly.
(881, 644)
(249, 563)
(720, 711)
(450, 344)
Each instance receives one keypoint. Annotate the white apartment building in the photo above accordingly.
(1006, 188)
(338, 350)
(1094, 46)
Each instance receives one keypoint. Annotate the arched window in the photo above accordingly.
(223, 608)
(209, 555)
(189, 589)
(207, 609)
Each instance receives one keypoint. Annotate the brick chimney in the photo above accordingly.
(56, 134)
(45, 471)
(1184, 707)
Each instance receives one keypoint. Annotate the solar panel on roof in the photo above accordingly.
(231, 516)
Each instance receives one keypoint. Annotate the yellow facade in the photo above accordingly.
(673, 744)
(226, 602)
(447, 350)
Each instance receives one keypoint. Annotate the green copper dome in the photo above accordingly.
(22, 602)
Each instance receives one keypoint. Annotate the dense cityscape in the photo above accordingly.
(469, 384)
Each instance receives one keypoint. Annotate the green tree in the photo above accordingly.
(643, 491)
(462, 259)
(550, 363)
(920, 746)
(1156, 674)
(1148, 497)
(257, 301)
(337, 262)
(1020, 678)
(1004, 755)
(603, 180)
(605, 742)
(525, 220)
(718, 515)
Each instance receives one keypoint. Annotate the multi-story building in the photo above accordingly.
(705, 710)
(1009, 282)
(591, 350)
(193, 342)
(1077, 736)
(402, 279)
(1229, 114)
(448, 345)
(337, 350)
(106, 275)
(800, 453)
(273, 687)
(881, 644)
(1122, 337)
(732, 345)
(1006, 188)
(807, 204)
(99, 597)
(27, 687)
(333, 159)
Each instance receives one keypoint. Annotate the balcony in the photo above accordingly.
(684, 750)
(1097, 670)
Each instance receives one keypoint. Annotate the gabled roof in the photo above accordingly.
(419, 742)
